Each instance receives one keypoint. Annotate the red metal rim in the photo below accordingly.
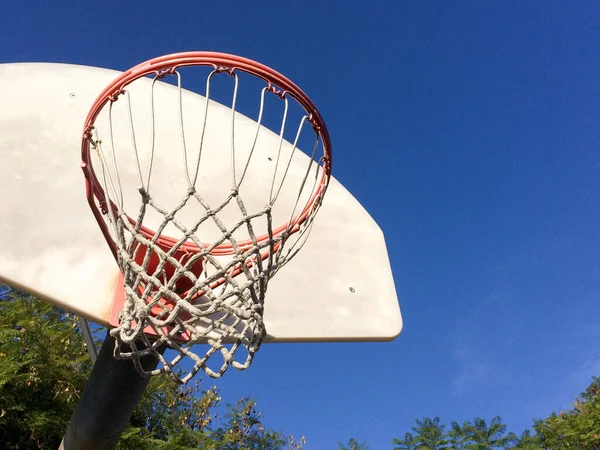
(277, 83)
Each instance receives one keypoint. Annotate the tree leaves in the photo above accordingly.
(408, 443)
(493, 436)
(353, 444)
(430, 435)
(42, 371)
(577, 428)
(44, 366)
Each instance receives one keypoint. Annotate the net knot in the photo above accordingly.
(144, 194)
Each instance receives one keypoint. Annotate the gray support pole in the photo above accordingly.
(107, 403)
(89, 340)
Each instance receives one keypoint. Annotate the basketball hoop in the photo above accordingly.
(178, 288)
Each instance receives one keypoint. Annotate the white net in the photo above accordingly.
(199, 233)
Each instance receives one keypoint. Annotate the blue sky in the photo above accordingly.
(469, 130)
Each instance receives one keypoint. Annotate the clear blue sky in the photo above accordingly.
(470, 132)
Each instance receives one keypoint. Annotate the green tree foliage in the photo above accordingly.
(578, 428)
(461, 437)
(244, 430)
(353, 444)
(408, 443)
(486, 437)
(429, 434)
(44, 366)
(527, 441)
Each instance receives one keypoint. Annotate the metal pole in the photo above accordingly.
(107, 403)
(89, 340)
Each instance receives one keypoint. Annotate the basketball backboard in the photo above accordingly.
(338, 288)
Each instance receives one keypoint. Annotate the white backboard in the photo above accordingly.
(338, 288)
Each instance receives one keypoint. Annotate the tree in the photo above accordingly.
(461, 436)
(491, 437)
(44, 366)
(430, 434)
(527, 441)
(578, 428)
(244, 430)
(353, 444)
(408, 443)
